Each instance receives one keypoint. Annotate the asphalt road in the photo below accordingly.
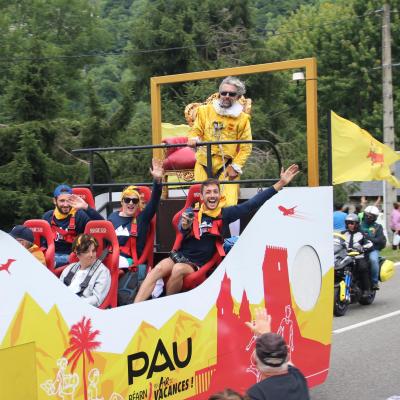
(365, 355)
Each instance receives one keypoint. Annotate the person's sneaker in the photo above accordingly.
(375, 286)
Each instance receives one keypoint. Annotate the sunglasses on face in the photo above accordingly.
(350, 223)
(133, 200)
(230, 94)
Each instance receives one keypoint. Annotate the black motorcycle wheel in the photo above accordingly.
(366, 301)
(339, 307)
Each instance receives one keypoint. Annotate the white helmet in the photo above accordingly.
(372, 210)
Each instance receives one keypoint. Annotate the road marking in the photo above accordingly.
(367, 322)
(318, 373)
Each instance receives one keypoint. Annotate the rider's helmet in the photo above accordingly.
(371, 213)
(352, 219)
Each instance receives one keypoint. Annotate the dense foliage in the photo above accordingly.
(76, 74)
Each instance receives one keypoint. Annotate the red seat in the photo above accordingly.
(145, 192)
(178, 162)
(177, 158)
(195, 278)
(148, 251)
(104, 232)
(192, 198)
(147, 255)
(86, 195)
(41, 230)
(71, 259)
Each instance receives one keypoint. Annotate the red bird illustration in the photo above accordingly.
(287, 211)
(6, 266)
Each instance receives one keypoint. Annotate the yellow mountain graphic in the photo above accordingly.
(313, 324)
(183, 338)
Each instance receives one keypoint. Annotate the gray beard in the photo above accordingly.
(233, 111)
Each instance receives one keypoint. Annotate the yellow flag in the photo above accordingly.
(170, 130)
(357, 156)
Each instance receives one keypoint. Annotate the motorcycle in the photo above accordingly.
(347, 289)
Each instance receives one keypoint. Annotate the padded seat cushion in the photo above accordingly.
(174, 140)
(183, 158)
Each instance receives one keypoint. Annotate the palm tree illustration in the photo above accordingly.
(81, 344)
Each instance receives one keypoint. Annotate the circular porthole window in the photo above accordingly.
(306, 278)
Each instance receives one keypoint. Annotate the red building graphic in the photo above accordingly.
(233, 367)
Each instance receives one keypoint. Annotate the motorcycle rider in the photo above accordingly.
(356, 240)
(374, 232)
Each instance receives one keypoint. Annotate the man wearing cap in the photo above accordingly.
(67, 220)
(24, 236)
(280, 379)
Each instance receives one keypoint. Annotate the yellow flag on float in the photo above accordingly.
(357, 156)
(171, 130)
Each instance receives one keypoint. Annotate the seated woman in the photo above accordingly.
(89, 278)
(132, 223)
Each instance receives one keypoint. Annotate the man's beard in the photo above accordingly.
(233, 111)
(62, 212)
(227, 103)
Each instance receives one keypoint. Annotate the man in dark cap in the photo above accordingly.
(280, 379)
(68, 220)
(24, 236)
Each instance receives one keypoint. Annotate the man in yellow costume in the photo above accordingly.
(223, 119)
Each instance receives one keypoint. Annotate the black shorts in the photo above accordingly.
(178, 257)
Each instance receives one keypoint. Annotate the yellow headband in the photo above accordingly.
(130, 191)
(78, 241)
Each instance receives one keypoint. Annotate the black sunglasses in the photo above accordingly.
(133, 200)
(230, 94)
(350, 223)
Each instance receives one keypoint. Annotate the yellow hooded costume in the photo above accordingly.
(214, 123)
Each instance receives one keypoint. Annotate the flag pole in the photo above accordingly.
(329, 148)
(384, 210)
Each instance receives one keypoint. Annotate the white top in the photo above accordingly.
(98, 286)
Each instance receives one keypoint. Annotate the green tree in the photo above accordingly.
(99, 130)
(198, 35)
(63, 29)
(28, 175)
(348, 50)
(33, 95)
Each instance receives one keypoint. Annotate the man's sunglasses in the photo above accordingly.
(350, 223)
(230, 94)
(133, 200)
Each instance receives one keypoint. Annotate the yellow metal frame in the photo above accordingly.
(310, 66)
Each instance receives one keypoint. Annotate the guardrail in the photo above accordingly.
(95, 151)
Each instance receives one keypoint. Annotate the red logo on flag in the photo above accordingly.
(376, 158)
